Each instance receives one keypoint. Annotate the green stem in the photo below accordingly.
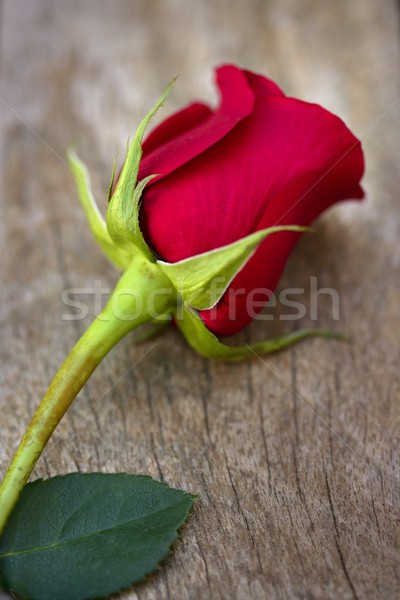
(131, 295)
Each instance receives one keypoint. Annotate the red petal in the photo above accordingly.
(237, 102)
(298, 204)
(175, 125)
(262, 86)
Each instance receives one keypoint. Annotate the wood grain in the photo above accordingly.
(296, 457)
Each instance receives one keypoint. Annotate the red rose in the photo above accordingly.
(260, 159)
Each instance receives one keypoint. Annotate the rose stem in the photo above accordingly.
(130, 295)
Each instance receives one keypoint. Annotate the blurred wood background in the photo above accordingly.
(295, 458)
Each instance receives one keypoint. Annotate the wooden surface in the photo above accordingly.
(296, 457)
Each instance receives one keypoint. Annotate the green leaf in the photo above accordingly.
(87, 536)
(116, 255)
(123, 209)
(207, 344)
(201, 280)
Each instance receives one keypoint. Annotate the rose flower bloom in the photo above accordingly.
(259, 160)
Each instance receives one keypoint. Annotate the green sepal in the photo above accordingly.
(207, 344)
(116, 255)
(201, 280)
(123, 209)
(111, 185)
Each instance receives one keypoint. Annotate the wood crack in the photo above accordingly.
(337, 540)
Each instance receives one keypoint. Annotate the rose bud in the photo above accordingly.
(259, 160)
(222, 198)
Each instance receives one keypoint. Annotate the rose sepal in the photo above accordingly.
(115, 254)
(202, 280)
(208, 345)
(123, 208)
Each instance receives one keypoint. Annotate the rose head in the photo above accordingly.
(259, 160)
(207, 209)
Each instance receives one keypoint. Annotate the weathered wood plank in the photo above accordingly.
(295, 458)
